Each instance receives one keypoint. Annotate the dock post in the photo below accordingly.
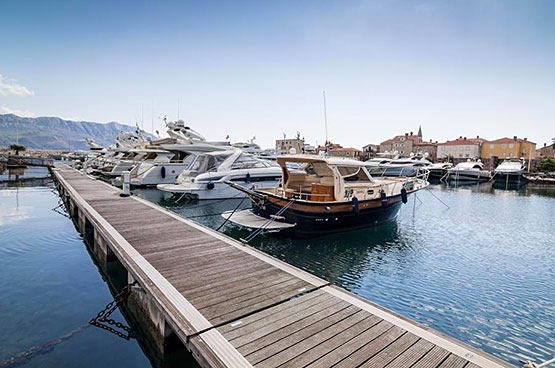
(125, 176)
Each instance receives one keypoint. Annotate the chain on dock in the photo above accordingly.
(102, 321)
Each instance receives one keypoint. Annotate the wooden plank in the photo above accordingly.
(342, 336)
(313, 340)
(433, 358)
(391, 352)
(263, 327)
(274, 336)
(412, 354)
(453, 361)
(267, 301)
(292, 339)
(241, 291)
(450, 344)
(371, 349)
(352, 345)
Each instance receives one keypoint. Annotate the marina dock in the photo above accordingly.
(234, 306)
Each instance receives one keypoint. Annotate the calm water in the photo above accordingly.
(482, 271)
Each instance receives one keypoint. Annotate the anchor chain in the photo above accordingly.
(102, 321)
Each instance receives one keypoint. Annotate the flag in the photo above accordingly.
(227, 136)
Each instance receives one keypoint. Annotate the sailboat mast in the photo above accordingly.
(325, 116)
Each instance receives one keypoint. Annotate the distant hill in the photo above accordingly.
(55, 133)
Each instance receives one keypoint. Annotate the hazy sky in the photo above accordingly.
(258, 68)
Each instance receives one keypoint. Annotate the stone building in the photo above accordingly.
(402, 144)
(429, 148)
(546, 151)
(284, 146)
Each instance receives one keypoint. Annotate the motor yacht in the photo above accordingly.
(510, 171)
(471, 170)
(439, 169)
(207, 174)
(328, 194)
(407, 166)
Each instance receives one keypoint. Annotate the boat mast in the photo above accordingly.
(325, 118)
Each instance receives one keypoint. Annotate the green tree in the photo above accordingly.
(547, 165)
(17, 148)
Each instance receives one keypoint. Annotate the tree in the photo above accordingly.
(17, 148)
(547, 165)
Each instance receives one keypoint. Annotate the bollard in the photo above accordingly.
(125, 176)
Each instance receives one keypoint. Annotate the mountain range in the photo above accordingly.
(57, 134)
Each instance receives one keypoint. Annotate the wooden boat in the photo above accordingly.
(328, 194)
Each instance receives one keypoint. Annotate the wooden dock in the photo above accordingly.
(234, 306)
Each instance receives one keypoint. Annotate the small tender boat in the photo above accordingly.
(327, 194)
(207, 175)
(439, 170)
(469, 171)
(510, 171)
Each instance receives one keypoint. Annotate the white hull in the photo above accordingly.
(220, 191)
(153, 174)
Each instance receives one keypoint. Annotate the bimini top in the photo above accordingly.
(282, 160)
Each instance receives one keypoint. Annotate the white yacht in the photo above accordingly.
(377, 162)
(471, 170)
(207, 174)
(407, 166)
(510, 171)
(439, 169)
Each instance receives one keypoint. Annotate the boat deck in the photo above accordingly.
(234, 306)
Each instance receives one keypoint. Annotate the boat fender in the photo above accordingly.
(210, 185)
(163, 172)
(248, 178)
(356, 210)
(383, 198)
(404, 196)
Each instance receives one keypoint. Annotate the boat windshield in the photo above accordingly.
(249, 162)
(353, 174)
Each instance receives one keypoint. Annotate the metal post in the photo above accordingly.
(125, 178)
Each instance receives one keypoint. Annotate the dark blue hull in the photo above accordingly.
(313, 223)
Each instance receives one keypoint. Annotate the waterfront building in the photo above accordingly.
(371, 149)
(284, 146)
(546, 151)
(509, 148)
(461, 148)
(429, 148)
(402, 144)
(344, 152)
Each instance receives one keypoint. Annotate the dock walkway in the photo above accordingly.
(234, 306)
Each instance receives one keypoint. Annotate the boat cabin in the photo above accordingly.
(326, 179)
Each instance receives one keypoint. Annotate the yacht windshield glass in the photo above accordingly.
(247, 162)
(353, 173)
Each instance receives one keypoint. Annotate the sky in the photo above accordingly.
(258, 68)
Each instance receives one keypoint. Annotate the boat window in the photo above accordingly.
(188, 160)
(353, 173)
(211, 163)
(247, 162)
(199, 163)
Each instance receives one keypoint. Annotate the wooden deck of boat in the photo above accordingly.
(234, 306)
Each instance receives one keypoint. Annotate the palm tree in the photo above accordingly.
(17, 148)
